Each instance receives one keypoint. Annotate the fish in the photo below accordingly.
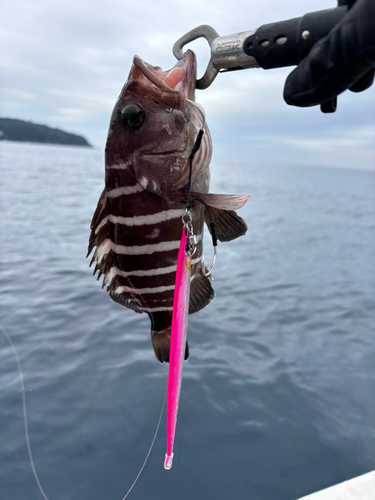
(136, 227)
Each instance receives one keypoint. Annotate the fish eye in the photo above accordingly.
(132, 116)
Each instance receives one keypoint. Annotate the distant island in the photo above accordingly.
(19, 130)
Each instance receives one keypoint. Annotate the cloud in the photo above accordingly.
(65, 63)
(18, 94)
(69, 115)
(343, 139)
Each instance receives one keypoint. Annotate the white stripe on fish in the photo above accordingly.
(140, 291)
(107, 245)
(125, 190)
(163, 246)
(104, 221)
(119, 166)
(156, 309)
(114, 271)
(140, 220)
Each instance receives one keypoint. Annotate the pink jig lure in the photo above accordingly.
(178, 342)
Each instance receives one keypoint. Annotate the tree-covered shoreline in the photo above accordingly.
(25, 131)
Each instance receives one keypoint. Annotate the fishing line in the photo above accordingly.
(213, 235)
(26, 427)
(200, 111)
(151, 446)
(195, 148)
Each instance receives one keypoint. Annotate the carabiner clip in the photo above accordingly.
(203, 31)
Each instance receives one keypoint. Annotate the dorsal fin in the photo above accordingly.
(97, 236)
(124, 299)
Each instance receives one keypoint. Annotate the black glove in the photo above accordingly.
(344, 59)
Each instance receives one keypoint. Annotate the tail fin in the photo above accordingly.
(161, 342)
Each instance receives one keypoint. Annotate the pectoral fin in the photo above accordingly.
(228, 224)
(201, 292)
(222, 201)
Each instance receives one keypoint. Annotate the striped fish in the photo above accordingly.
(136, 227)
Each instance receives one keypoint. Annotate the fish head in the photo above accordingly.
(153, 126)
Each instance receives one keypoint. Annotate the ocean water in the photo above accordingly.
(278, 396)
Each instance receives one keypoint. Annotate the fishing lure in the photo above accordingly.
(178, 339)
(181, 300)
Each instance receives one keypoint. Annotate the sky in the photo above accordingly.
(64, 62)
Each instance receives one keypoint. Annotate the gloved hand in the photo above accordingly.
(344, 59)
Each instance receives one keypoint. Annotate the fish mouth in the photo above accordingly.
(170, 88)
